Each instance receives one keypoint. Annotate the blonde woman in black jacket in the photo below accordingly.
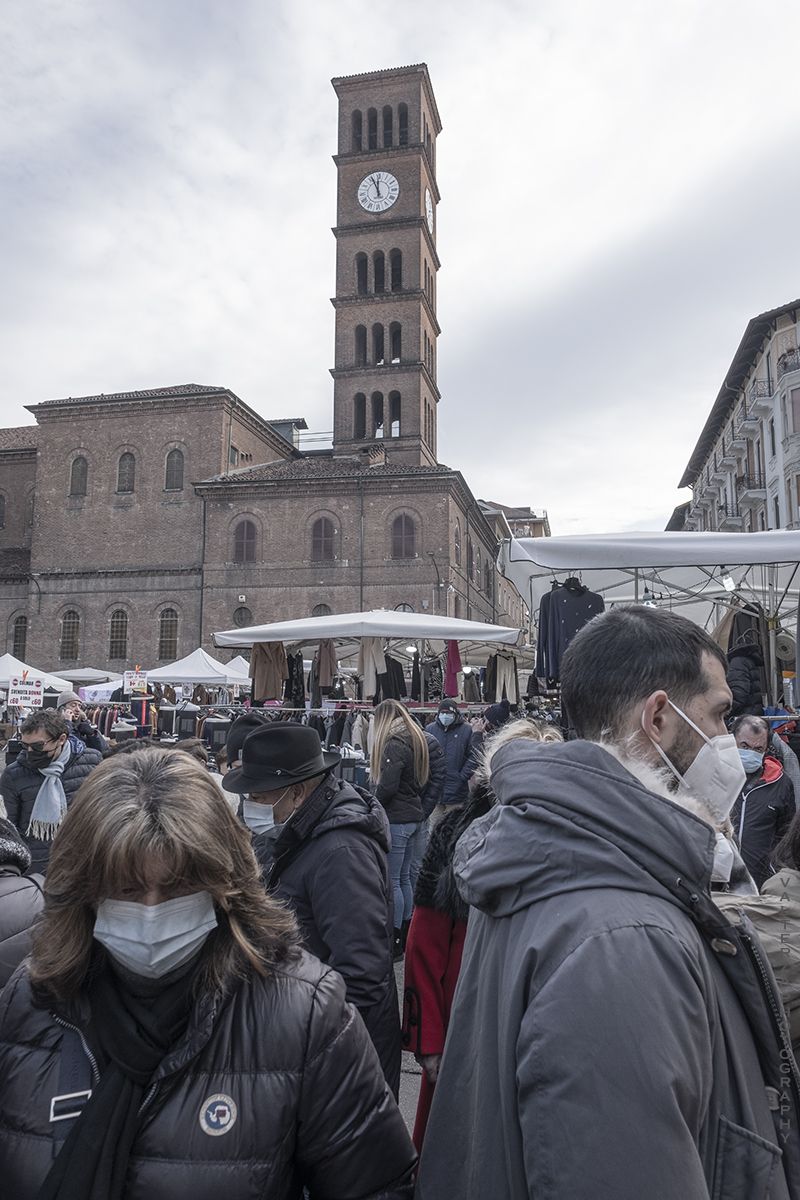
(399, 768)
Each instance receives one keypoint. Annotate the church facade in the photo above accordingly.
(134, 525)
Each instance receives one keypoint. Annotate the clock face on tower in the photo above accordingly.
(429, 210)
(378, 191)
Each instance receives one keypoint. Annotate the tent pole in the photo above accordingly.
(636, 585)
(772, 622)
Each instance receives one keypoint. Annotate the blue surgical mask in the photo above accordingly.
(446, 718)
(154, 939)
(752, 760)
(257, 817)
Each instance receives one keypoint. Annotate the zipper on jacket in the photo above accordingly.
(87, 1051)
(777, 1013)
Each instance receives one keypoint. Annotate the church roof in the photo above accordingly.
(180, 389)
(320, 468)
(20, 438)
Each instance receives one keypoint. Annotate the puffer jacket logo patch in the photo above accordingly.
(217, 1115)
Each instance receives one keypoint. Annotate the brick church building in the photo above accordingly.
(133, 525)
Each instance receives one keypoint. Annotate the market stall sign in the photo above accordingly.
(26, 691)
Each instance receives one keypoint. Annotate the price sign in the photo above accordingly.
(26, 691)
(135, 681)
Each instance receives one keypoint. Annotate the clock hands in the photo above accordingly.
(376, 183)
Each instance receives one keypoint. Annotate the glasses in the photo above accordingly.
(38, 746)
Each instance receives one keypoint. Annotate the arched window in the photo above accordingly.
(396, 265)
(470, 559)
(377, 414)
(322, 533)
(126, 473)
(394, 414)
(478, 568)
(174, 475)
(77, 477)
(395, 340)
(321, 610)
(359, 415)
(387, 125)
(361, 345)
(379, 268)
(487, 578)
(357, 126)
(168, 634)
(31, 507)
(118, 634)
(457, 607)
(244, 542)
(403, 608)
(378, 352)
(2, 511)
(70, 634)
(242, 616)
(361, 274)
(402, 124)
(457, 541)
(372, 129)
(20, 643)
(403, 536)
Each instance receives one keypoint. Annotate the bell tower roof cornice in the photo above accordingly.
(346, 83)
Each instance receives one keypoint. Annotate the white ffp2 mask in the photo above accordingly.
(716, 775)
(154, 939)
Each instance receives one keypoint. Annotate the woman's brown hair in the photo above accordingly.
(134, 810)
(392, 720)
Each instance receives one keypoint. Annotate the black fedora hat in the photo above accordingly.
(277, 756)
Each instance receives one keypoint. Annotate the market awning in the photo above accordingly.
(198, 667)
(379, 623)
(11, 667)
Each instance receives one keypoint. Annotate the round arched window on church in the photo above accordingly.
(242, 616)
(403, 608)
(321, 610)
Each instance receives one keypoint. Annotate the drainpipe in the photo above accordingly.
(361, 591)
(202, 571)
(438, 579)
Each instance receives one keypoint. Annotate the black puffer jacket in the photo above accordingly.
(19, 786)
(398, 791)
(762, 815)
(437, 774)
(329, 864)
(613, 1036)
(21, 901)
(311, 1104)
(461, 745)
(744, 680)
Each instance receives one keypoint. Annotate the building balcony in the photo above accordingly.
(751, 487)
(748, 420)
(727, 453)
(760, 397)
(718, 473)
(788, 362)
(729, 518)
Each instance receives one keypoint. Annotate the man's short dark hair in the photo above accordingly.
(754, 722)
(623, 656)
(48, 721)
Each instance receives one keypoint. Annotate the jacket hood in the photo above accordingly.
(569, 817)
(748, 651)
(339, 805)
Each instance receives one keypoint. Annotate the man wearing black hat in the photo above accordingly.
(460, 745)
(322, 844)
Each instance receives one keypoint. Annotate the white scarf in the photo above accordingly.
(51, 801)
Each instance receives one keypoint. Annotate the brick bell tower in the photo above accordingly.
(385, 391)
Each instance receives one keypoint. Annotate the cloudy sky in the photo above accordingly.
(619, 182)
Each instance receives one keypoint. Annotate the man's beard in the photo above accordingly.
(684, 750)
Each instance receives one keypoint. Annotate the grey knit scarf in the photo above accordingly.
(51, 802)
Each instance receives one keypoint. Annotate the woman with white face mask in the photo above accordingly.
(167, 1035)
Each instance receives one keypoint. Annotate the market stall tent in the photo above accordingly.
(198, 667)
(90, 675)
(379, 623)
(11, 667)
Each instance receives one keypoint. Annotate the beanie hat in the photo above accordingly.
(448, 705)
(67, 698)
(498, 714)
(239, 730)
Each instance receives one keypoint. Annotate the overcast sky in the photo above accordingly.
(619, 183)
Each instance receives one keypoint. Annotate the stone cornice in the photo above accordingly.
(388, 372)
(416, 294)
(382, 222)
(18, 454)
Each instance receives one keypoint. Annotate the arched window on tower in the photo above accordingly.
(478, 568)
(359, 416)
(321, 610)
(394, 414)
(457, 545)
(403, 537)
(126, 473)
(173, 479)
(361, 274)
(470, 559)
(361, 345)
(379, 267)
(244, 542)
(19, 647)
(357, 126)
(387, 125)
(395, 341)
(372, 129)
(70, 635)
(322, 534)
(2, 512)
(487, 578)
(168, 634)
(396, 262)
(118, 634)
(378, 353)
(78, 475)
(377, 414)
(402, 124)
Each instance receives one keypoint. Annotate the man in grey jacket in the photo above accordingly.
(613, 1036)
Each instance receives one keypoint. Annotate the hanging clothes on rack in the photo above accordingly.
(471, 690)
(268, 670)
(452, 670)
(371, 663)
(392, 683)
(294, 689)
(434, 679)
(562, 613)
(327, 662)
(415, 677)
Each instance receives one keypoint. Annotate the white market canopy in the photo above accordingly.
(90, 675)
(198, 667)
(379, 623)
(699, 571)
(12, 668)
